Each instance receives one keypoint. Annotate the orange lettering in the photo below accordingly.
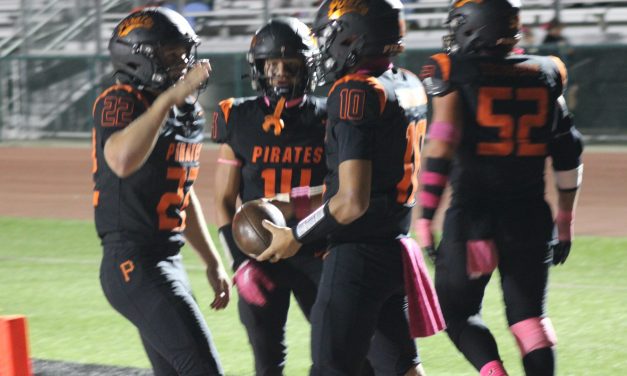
(265, 154)
(297, 150)
(287, 155)
(318, 155)
(127, 267)
(307, 157)
(257, 150)
(286, 180)
(170, 151)
(188, 153)
(276, 155)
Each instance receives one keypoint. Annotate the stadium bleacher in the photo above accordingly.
(53, 52)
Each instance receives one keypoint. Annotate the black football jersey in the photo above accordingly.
(273, 164)
(512, 117)
(380, 118)
(147, 207)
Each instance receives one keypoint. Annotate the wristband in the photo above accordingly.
(228, 243)
(445, 132)
(317, 225)
(433, 181)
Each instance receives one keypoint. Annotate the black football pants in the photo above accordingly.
(361, 312)
(266, 325)
(521, 234)
(152, 291)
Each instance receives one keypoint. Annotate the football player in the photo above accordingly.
(272, 147)
(376, 121)
(497, 116)
(147, 140)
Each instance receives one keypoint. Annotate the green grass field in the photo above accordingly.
(49, 272)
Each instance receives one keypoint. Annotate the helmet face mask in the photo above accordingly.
(152, 48)
(281, 59)
(349, 31)
(482, 27)
(283, 76)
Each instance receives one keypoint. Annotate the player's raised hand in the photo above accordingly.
(191, 81)
(283, 243)
(221, 285)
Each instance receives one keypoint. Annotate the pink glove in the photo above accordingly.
(250, 281)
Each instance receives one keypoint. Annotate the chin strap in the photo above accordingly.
(275, 120)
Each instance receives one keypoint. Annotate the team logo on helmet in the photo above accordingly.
(461, 3)
(132, 23)
(338, 8)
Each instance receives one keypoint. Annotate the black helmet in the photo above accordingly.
(349, 30)
(282, 38)
(483, 26)
(139, 42)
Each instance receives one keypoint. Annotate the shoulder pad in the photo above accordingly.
(118, 106)
(436, 73)
(363, 89)
(410, 92)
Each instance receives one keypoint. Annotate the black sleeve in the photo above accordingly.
(566, 144)
(220, 130)
(115, 109)
(357, 107)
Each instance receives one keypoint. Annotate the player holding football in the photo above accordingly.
(273, 145)
(496, 117)
(147, 140)
(376, 122)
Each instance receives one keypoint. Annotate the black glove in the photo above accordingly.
(561, 250)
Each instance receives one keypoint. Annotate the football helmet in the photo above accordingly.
(349, 30)
(152, 48)
(477, 26)
(283, 38)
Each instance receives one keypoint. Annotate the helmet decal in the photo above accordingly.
(461, 3)
(338, 8)
(134, 22)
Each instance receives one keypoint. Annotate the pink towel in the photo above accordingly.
(481, 258)
(425, 315)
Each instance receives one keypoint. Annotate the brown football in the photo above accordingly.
(249, 234)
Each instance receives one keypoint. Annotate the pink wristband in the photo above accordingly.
(230, 162)
(444, 131)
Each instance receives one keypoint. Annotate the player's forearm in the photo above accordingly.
(566, 201)
(127, 150)
(348, 207)
(197, 233)
(353, 196)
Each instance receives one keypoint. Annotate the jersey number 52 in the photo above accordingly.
(514, 131)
